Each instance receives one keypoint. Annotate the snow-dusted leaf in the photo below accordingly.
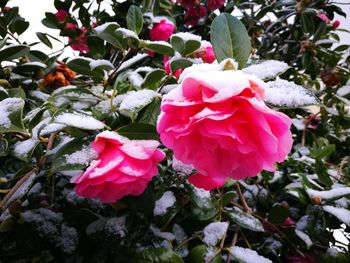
(185, 43)
(161, 47)
(29, 67)
(101, 64)
(81, 65)
(214, 232)
(13, 51)
(23, 150)
(51, 127)
(11, 110)
(167, 200)
(246, 220)
(334, 193)
(79, 120)
(245, 255)
(341, 213)
(288, 94)
(153, 78)
(135, 101)
(22, 190)
(130, 62)
(267, 69)
(305, 237)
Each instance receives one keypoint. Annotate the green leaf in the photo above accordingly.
(19, 26)
(81, 65)
(11, 115)
(321, 171)
(150, 114)
(153, 78)
(230, 39)
(179, 64)
(107, 33)
(12, 52)
(24, 150)
(163, 48)
(139, 131)
(3, 147)
(78, 120)
(198, 254)
(245, 220)
(134, 19)
(158, 255)
(278, 214)
(51, 21)
(43, 38)
(186, 44)
(30, 67)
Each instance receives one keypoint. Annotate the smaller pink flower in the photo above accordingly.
(312, 121)
(215, 4)
(162, 31)
(206, 52)
(195, 14)
(61, 15)
(167, 68)
(71, 26)
(324, 18)
(123, 167)
(336, 24)
(79, 43)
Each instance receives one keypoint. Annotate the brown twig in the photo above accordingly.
(15, 188)
(243, 201)
(233, 242)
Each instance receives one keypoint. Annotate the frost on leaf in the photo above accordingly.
(288, 94)
(307, 240)
(341, 213)
(267, 70)
(214, 232)
(8, 108)
(245, 255)
(24, 149)
(164, 203)
(83, 156)
(79, 120)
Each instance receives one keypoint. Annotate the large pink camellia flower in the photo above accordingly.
(162, 30)
(218, 122)
(123, 167)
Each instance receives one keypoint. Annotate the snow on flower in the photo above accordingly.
(123, 167)
(222, 127)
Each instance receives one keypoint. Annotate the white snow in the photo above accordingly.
(127, 32)
(24, 148)
(100, 62)
(199, 68)
(164, 203)
(342, 202)
(329, 194)
(286, 93)
(333, 251)
(182, 168)
(135, 78)
(39, 95)
(267, 70)
(101, 28)
(303, 236)
(165, 235)
(8, 106)
(245, 255)
(79, 120)
(136, 100)
(187, 36)
(63, 140)
(163, 43)
(3, 90)
(115, 226)
(52, 127)
(201, 193)
(84, 156)
(343, 90)
(214, 232)
(341, 213)
(132, 61)
(302, 223)
(80, 58)
(35, 63)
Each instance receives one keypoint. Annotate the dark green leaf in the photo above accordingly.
(183, 45)
(230, 39)
(278, 214)
(134, 19)
(13, 52)
(139, 131)
(153, 78)
(180, 63)
(160, 48)
(149, 115)
(245, 220)
(43, 38)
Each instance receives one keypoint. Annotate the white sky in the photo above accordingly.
(34, 11)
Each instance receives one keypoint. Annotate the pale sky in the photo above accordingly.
(34, 11)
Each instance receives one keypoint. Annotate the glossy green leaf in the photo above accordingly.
(230, 39)
(159, 47)
(278, 214)
(134, 19)
(12, 52)
(245, 220)
(139, 131)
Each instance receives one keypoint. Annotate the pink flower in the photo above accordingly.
(206, 52)
(79, 43)
(215, 4)
(167, 68)
(336, 24)
(162, 31)
(324, 18)
(124, 167)
(217, 121)
(61, 15)
(195, 14)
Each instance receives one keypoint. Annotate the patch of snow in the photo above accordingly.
(245, 255)
(342, 202)
(302, 223)
(103, 27)
(303, 236)
(8, 106)
(24, 148)
(329, 194)
(83, 156)
(182, 168)
(164, 203)
(341, 213)
(135, 78)
(39, 95)
(267, 70)
(79, 120)
(201, 193)
(165, 235)
(115, 226)
(345, 90)
(214, 232)
(286, 93)
(52, 127)
(22, 190)
(63, 141)
(132, 61)
(209, 254)
(100, 62)
(127, 32)
(187, 36)
(163, 43)
(333, 251)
